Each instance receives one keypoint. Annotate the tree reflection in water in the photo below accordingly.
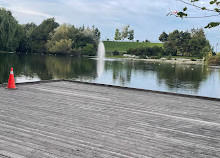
(173, 75)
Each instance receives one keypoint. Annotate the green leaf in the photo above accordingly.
(211, 2)
(212, 24)
(181, 14)
(203, 8)
(217, 10)
(184, 9)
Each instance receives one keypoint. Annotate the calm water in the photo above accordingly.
(187, 79)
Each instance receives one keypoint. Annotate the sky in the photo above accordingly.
(146, 17)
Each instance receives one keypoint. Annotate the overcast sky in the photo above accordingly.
(147, 17)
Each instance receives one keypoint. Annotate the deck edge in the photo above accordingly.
(120, 87)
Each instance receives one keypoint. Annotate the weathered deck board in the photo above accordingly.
(65, 119)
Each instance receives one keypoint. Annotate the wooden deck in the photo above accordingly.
(65, 119)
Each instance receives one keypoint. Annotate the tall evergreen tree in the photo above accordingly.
(163, 37)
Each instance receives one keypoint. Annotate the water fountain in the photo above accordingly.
(101, 58)
(101, 51)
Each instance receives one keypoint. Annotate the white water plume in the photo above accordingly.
(101, 50)
(101, 58)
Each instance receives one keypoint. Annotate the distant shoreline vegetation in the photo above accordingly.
(177, 44)
(48, 37)
(123, 47)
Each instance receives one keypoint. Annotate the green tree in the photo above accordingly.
(172, 42)
(163, 37)
(125, 32)
(88, 36)
(96, 33)
(187, 43)
(25, 43)
(61, 46)
(29, 27)
(147, 41)
(62, 40)
(10, 31)
(170, 48)
(62, 32)
(183, 43)
(199, 44)
(41, 34)
(68, 39)
(131, 35)
(92, 33)
(88, 50)
(117, 35)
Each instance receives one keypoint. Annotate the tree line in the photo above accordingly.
(186, 43)
(177, 43)
(48, 37)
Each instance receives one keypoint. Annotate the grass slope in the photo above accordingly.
(122, 47)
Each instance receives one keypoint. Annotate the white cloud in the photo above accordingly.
(29, 12)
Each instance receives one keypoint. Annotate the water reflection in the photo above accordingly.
(100, 67)
(181, 76)
(177, 78)
(45, 67)
(174, 76)
(189, 79)
(121, 71)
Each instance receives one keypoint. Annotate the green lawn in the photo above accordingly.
(122, 47)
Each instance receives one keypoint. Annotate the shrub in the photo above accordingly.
(62, 46)
(146, 51)
(88, 50)
(115, 52)
(215, 60)
(147, 41)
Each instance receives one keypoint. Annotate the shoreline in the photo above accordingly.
(179, 61)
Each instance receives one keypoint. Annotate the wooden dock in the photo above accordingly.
(74, 120)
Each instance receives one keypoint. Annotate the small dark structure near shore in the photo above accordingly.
(70, 119)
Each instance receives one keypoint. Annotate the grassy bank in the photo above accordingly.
(122, 47)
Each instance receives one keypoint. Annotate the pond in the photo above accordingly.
(199, 80)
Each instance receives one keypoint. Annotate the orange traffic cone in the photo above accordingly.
(11, 80)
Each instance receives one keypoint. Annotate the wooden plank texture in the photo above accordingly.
(65, 119)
